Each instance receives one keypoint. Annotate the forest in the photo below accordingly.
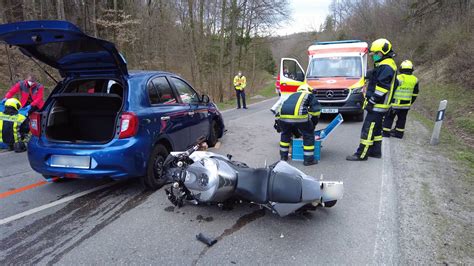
(206, 41)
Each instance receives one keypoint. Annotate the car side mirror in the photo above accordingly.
(205, 99)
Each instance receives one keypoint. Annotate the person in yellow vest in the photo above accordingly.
(300, 112)
(379, 96)
(239, 84)
(13, 126)
(405, 95)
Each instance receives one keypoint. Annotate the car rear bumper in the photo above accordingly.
(353, 105)
(120, 159)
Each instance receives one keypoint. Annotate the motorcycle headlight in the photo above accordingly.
(357, 90)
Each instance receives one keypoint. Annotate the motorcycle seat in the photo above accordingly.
(285, 188)
(252, 184)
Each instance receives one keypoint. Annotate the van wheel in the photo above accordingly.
(329, 204)
(213, 135)
(154, 176)
(359, 117)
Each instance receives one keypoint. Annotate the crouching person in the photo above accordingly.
(299, 112)
(13, 126)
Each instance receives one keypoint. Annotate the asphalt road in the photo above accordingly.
(123, 224)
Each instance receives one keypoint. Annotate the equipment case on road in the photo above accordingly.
(320, 136)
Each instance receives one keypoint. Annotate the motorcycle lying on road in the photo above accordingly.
(202, 177)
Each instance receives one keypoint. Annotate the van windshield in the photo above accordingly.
(336, 66)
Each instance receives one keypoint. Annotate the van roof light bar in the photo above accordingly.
(337, 42)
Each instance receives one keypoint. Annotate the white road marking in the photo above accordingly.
(386, 249)
(52, 204)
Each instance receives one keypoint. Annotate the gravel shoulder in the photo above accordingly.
(435, 196)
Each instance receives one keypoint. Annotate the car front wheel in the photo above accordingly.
(154, 178)
(213, 134)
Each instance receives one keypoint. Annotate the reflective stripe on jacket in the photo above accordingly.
(299, 106)
(240, 82)
(403, 97)
(10, 127)
(382, 83)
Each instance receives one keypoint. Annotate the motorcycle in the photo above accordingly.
(202, 177)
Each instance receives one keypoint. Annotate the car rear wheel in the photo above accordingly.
(154, 178)
(213, 134)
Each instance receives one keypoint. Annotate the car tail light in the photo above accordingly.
(35, 124)
(128, 125)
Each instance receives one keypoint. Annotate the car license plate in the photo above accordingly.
(329, 111)
(71, 161)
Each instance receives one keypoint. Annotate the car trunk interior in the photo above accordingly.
(85, 113)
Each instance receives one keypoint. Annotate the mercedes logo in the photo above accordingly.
(329, 94)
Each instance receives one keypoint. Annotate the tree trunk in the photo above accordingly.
(233, 25)
(222, 86)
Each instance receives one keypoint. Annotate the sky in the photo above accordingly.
(306, 15)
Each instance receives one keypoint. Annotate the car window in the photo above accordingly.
(160, 92)
(186, 93)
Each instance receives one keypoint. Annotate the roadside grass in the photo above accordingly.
(450, 144)
(267, 92)
(457, 133)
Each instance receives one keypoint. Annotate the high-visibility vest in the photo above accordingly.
(388, 94)
(299, 106)
(10, 127)
(402, 98)
(240, 82)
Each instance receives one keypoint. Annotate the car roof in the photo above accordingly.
(139, 74)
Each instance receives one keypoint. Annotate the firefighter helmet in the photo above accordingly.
(406, 65)
(304, 88)
(381, 45)
(14, 103)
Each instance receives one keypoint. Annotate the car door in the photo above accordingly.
(198, 114)
(168, 117)
(291, 75)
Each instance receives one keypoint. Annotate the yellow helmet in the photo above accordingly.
(407, 65)
(304, 88)
(381, 45)
(13, 102)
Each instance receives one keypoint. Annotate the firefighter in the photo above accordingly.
(405, 95)
(299, 112)
(13, 126)
(30, 91)
(379, 96)
(239, 84)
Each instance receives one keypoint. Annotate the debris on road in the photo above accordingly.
(206, 240)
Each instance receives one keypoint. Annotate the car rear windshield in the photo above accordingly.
(94, 86)
(336, 66)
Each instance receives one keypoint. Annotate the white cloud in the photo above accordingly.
(306, 15)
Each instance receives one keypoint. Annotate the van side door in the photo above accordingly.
(291, 75)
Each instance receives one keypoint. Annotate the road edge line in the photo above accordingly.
(386, 246)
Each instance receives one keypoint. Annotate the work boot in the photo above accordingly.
(396, 134)
(245, 108)
(375, 155)
(356, 157)
(308, 163)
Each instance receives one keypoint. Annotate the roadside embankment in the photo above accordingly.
(435, 190)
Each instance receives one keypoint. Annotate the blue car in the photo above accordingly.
(101, 120)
